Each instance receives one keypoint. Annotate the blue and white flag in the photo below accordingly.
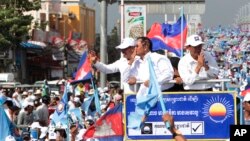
(145, 102)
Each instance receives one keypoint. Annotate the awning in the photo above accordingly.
(33, 45)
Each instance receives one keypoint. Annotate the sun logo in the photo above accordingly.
(218, 109)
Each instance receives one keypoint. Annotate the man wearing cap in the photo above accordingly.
(197, 64)
(123, 65)
(26, 116)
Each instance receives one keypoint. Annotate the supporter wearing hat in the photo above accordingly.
(16, 101)
(197, 64)
(24, 94)
(123, 65)
(27, 116)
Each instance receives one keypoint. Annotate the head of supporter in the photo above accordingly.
(38, 93)
(194, 45)
(24, 95)
(127, 48)
(246, 106)
(117, 98)
(46, 100)
(143, 46)
(28, 106)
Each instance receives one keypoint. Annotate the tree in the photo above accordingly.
(113, 53)
(14, 25)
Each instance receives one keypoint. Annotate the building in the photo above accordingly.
(71, 23)
(242, 19)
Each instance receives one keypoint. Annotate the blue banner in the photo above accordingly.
(197, 115)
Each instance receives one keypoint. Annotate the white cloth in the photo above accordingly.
(16, 102)
(121, 66)
(71, 105)
(162, 66)
(186, 68)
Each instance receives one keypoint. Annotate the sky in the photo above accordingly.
(217, 12)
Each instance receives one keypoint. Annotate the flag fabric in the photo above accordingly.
(5, 122)
(87, 102)
(60, 114)
(168, 36)
(84, 69)
(145, 102)
(97, 100)
(108, 127)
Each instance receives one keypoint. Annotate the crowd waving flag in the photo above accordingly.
(60, 114)
(84, 69)
(5, 122)
(108, 127)
(168, 36)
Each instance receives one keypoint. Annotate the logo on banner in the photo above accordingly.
(147, 128)
(218, 109)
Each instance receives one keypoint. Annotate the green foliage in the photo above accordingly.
(14, 25)
(113, 41)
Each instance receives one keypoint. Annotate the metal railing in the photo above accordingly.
(221, 81)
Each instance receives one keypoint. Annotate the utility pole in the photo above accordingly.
(103, 35)
(103, 45)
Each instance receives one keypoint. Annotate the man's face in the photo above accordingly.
(140, 50)
(127, 52)
(195, 51)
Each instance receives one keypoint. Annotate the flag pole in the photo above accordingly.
(182, 16)
(167, 124)
(66, 108)
(163, 109)
(97, 102)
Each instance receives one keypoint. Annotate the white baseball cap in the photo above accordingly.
(246, 97)
(126, 42)
(194, 40)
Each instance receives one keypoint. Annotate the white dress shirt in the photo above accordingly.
(186, 68)
(121, 66)
(162, 66)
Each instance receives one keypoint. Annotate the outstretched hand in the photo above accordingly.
(93, 57)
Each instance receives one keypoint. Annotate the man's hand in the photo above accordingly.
(200, 61)
(131, 80)
(178, 80)
(93, 57)
(146, 83)
(168, 118)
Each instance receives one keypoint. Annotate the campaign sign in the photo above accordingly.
(198, 115)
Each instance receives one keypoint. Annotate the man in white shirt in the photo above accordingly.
(197, 64)
(123, 65)
(162, 66)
